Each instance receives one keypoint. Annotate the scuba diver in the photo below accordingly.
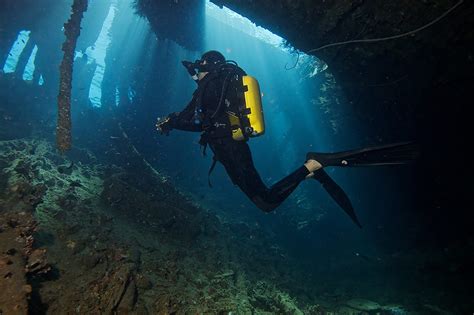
(226, 108)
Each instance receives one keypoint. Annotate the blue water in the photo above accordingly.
(125, 75)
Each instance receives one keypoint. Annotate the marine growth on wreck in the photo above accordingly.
(108, 207)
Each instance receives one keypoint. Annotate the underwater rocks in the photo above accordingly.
(114, 293)
(120, 242)
(37, 263)
(367, 307)
(18, 186)
(48, 183)
(158, 208)
(19, 261)
(363, 305)
(26, 195)
(3, 178)
(266, 297)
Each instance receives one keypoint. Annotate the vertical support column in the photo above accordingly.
(72, 30)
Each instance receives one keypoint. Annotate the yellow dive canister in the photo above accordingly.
(253, 102)
(251, 123)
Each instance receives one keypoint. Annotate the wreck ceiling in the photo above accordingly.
(369, 64)
(395, 73)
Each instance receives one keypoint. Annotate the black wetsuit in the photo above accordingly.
(234, 155)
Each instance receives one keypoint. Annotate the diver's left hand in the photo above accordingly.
(163, 125)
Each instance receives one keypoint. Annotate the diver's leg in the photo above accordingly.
(389, 154)
(282, 189)
(237, 160)
(312, 166)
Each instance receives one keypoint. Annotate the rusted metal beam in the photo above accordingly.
(72, 30)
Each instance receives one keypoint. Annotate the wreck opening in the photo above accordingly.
(127, 216)
(16, 51)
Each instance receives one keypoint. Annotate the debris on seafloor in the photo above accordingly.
(433, 309)
(226, 274)
(367, 307)
(117, 245)
(18, 259)
(394, 309)
(363, 305)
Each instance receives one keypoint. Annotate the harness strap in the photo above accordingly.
(204, 142)
(204, 147)
(214, 162)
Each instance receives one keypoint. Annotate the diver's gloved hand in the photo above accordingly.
(164, 125)
(190, 67)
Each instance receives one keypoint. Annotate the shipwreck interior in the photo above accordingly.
(101, 214)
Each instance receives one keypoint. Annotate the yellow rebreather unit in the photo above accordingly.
(251, 123)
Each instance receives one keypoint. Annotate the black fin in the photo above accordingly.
(390, 154)
(337, 193)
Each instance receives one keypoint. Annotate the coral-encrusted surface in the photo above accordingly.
(16, 259)
(116, 245)
(77, 236)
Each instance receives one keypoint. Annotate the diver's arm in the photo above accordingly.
(184, 120)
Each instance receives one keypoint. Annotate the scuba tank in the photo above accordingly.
(241, 100)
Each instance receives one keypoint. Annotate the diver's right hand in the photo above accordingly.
(163, 125)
